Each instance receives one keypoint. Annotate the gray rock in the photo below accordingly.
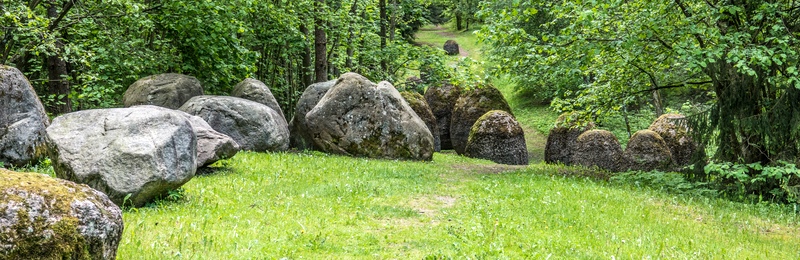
(442, 99)
(255, 90)
(470, 106)
(47, 218)
(359, 118)
(142, 151)
(301, 139)
(212, 146)
(418, 104)
(599, 148)
(674, 129)
(22, 120)
(254, 126)
(168, 90)
(498, 137)
(561, 142)
(451, 47)
(647, 151)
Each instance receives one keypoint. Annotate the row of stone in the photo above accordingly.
(665, 145)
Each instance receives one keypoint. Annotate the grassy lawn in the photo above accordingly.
(316, 206)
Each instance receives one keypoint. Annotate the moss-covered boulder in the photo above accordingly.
(598, 148)
(561, 142)
(442, 99)
(133, 155)
(298, 128)
(647, 151)
(470, 106)
(22, 119)
(255, 90)
(46, 218)
(420, 106)
(674, 129)
(498, 137)
(168, 90)
(451, 48)
(360, 118)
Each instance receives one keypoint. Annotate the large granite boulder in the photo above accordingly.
(674, 129)
(561, 142)
(254, 126)
(498, 137)
(647, 151)
(442, 99)
(418, 104)
(47, 218)
(139, 153)
(470, 106)
(451, 48)
(360, 118)
(22, 119)
(300, 138)
(212, 146)
(598, 148)
(168, 90)
(255, 90)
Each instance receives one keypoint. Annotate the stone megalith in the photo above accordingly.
(498, 137)
(674, 129)
(254, 126)
(141, 152)
(300, 137)
(418, 104)
(598, 148)
(47, 218)
(22, 119)
(442, 99)
(451, 48)
(212, 146)
(255, 90)
(647, 151)
(470, 106)
(561, 142)
(168, 90)
(360, 118)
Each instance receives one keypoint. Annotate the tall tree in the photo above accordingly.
(320, 43)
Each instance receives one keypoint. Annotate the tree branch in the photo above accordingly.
(677, 85)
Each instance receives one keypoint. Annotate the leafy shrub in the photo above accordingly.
(756, 182)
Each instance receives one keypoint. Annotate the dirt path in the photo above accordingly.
(444, 32)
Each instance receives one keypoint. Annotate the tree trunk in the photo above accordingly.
(350, 48)
(320, 45)
(659, 107)
(57, 84)
(458, 21)
(306, 78)
(382, 32)
(393, 21)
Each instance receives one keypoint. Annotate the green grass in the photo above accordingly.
(437, 36)
(316, 206)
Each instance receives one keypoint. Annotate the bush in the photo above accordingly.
(755, 182)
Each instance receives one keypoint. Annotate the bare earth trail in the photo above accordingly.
(445, 33)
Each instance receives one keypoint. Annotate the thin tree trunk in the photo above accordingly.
(458, 21)
(57, 75)
(305, 70)
(350, 49)
(320, 45)
(382, 32)
(393, 21)
(657, 103)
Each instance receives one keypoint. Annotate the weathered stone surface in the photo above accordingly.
(647, 151)
(301, 139)
(451, 47)
(674, 129)
(359, 118)
(470, 106)
(168, 90)
(418, 104)
(498, 137)
(212, 146)
(254, 126)
(255, 90)
(22, 119)
(47, 218)
(598, 148)
(142, 151)
(442, 99)
(561, 142)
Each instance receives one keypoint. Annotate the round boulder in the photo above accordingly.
(442, 99)
(47, 218)
(418, 104)
(212, 146)
(255, 90)
(498, 137)
(451, 47)
(470, 106)
(359, 118)
(298, 127)
(254, 126)
(561, 142)
(133, 155)
(598, 148)
(168, 90)
(674, 129)
(22, 119)
(647, 151)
